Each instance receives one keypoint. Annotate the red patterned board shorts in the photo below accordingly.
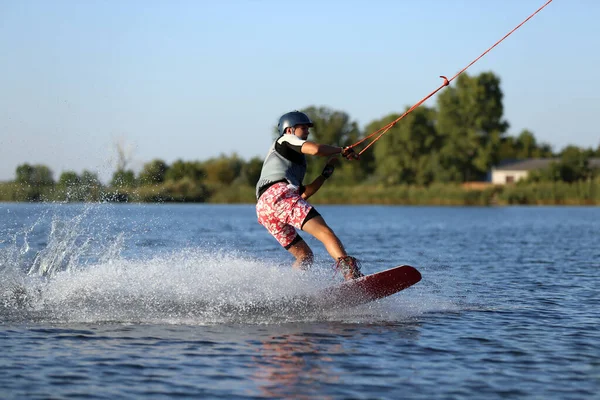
(280, 209)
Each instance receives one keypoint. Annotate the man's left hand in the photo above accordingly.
(329, 167)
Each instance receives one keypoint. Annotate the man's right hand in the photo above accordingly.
(349, 154)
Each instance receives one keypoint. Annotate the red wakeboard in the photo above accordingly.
(369, 287)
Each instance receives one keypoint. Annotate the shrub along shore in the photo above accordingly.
(538, 193)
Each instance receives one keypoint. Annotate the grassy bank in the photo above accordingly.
(542, 193)
(545, 193)
(552, 193)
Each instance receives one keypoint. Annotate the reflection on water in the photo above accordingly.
(302, 364)
(294, 365)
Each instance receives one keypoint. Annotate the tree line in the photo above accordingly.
(457, 140)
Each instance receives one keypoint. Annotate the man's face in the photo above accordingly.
(301, 131)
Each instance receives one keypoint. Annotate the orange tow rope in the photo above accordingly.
(447, 81)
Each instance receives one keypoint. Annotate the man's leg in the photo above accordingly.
(318, 228)
(303, 253)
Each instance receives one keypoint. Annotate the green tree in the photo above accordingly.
(180, 169)
(87, 189)
(89, 179)
(508, 149)
(522, 147)
(153, 172)
(526, 145)
(224, 169)
(34, 175)
(70, 188)
(251, 171)
(470, 121)
(407, 153)
(123, 179)
(69, 179)
(572, 166)
(23, 174)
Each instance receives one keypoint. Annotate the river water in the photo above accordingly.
(180, 301)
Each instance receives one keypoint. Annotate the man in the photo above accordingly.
(282, 205)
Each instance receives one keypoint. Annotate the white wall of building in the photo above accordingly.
(503, 177)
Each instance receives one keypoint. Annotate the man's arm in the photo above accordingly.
(312, 187)
(315, 185)
(316, 149)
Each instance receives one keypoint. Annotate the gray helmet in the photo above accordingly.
(291, 119)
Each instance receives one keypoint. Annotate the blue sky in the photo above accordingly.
(195, 79)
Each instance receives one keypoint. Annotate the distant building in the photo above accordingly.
(513, 171)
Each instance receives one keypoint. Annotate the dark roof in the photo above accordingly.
(536, 163)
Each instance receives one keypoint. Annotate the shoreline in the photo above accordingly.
(470, 194)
